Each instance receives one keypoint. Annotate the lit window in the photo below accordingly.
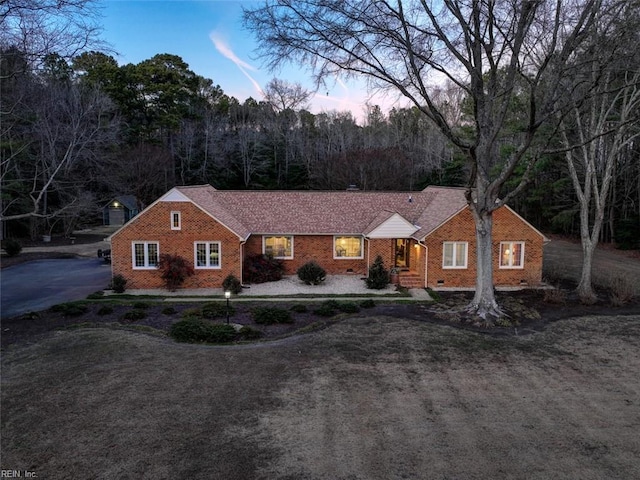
(175, 221)
(278, 247)
(145, 255)
(207, 254)
(347, 247)
(454, 255)
(511, 254)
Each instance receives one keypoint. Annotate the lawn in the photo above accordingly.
(369, 397)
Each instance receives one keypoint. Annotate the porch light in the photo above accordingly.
(227, 295)
(116, 204)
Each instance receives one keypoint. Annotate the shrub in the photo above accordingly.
(378, 276)
(168, 311)
(174, 270)
(620, 290)
(368, 303)
(11, 246)
(105, 310)
(555, 295)
(133, 315)
(271, 315)
(349, 307)
(70, 309)
(325, 310)
(311, 273)
(262, 268)
(299, 308)
(232, 284)
(141, 305)
(194, 312)
(217, 310)
(118, 283)
(248, 333)
(195, 330)
(96, 295)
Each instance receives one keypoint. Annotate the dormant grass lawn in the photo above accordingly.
(367, 398)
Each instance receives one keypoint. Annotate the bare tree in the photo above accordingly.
(495, 51)
(283, 95)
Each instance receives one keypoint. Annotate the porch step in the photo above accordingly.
(411, 280)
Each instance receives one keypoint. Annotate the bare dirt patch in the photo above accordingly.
(367, 398)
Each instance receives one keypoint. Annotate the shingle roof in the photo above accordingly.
(248, 212)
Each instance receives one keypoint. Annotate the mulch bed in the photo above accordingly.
(529, 311)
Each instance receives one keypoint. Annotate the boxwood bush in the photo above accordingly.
(232, 284)
(271, 315)
(311, 273)
(195, 330)
(217, 310)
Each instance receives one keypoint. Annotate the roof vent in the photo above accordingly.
(352, 188)
(410, 199)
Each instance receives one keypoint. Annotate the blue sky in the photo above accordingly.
(209, 36)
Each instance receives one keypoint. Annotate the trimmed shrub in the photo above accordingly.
(11, 246)
(368, 303)
(232, 284)
(299, 308)
(105, 310)
(133, 315)
(378, 276)
(194, 312)
(168, 311)
(325, 310)
(271, 315)
(217, 310)
(141, 305)
(349, 307)
(174, 270)
(194, 330)
(311, 273)
(262, 268)
(248, 333)
(118, 283)
(70, 309)
(99, 295)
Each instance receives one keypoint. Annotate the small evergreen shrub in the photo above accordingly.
(194, 312)
(195, 330)
(271, 315)
(217, 310)
(368, 303)
(349, 307)
(133, 315)
(168, 311)
(141, 305)
(262, 268)
(96, 295)
(248, 333)
(232, 284)
(311, 273)
(11, 246)
(325, 309)
(70, 309)
(105, 310)
(118, 283)
(174, 270)
(299, 308)
(378, 276)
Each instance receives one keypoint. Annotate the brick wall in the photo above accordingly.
(506, 227)
(154, 225)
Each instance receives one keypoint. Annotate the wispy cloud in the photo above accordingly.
(226, 51)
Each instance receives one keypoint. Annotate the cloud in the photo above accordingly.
(244, 67)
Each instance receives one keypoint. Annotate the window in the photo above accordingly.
(207, 254)
(278, 247)
(145, 255)
(511, 254)
(347, 247)
(175, 221)
(454, 255)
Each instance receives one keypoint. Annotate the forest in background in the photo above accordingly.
(77, 130)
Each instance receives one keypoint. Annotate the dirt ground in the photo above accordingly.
(368, 398)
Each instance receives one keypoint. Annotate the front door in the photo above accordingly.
(402, 253)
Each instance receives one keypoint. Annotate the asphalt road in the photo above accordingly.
(38, 285)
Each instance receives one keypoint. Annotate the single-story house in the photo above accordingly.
(120, 210)
(429, 236)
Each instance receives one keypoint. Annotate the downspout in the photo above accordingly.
(368, 254)
(426, 261)
(242, 262)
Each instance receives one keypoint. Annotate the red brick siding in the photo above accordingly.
(155, 225)
(506, 227)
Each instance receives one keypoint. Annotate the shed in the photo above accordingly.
(120, 210)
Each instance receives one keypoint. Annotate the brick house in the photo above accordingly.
(428, 236)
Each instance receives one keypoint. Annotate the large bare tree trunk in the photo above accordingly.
(484, 302)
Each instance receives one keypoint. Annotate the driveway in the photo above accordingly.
(38, 285)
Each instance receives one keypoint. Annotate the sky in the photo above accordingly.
(209, 36)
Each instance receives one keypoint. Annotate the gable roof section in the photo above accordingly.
(390, 224)
(265, 212)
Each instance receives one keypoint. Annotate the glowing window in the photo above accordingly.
(511, 254)
(278, 247)
(207, 254)
(347, 247)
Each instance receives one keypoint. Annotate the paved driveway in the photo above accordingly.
(37, 285)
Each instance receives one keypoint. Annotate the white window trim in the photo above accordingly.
(455, 248)
(264, 246)
(173, 227)
(333, 246)
(511, 267)
(146, 254)
(195, 255)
